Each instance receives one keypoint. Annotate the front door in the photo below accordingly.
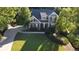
(46, 25)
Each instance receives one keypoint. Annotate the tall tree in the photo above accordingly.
(67, 20)
(8, 12)
(24, 16)
(7, 15)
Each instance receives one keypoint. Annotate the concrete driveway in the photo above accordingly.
(10, 34)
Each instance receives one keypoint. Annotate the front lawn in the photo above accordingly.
(34, 42)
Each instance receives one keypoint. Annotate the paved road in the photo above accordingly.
(10, 34)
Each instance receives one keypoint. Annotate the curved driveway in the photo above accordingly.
(10, 34)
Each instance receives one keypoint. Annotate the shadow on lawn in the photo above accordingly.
(36, 42)
(39, 46)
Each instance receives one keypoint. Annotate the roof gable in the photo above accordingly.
(34, 19)
(53, 14)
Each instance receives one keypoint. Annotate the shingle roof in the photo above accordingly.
(36, 12)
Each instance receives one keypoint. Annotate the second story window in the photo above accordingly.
(53, 19)
(43, 16)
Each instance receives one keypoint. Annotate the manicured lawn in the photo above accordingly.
(34, 42)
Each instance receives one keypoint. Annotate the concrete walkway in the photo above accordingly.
(10, 34)
(68, 47)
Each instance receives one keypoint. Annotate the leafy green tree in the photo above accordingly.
(67, 20)
(24, 16)
(7, 14)
(3, 24)
(58, 9)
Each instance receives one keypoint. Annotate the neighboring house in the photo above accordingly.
(43, 18)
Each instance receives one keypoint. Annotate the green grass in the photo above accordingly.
(33, 42)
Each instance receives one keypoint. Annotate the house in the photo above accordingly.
(42, 18)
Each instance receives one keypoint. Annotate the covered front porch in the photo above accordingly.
(35, 26)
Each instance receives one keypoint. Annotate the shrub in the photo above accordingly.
(50, 31)
(63, 39)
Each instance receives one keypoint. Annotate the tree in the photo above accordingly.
(58, 9)
(67, 20)
(7, 15)
(3, 24)
(8, 12)
(23, 17)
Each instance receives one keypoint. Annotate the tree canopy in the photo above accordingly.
(7, 14)
(24, 16)
(67, 20)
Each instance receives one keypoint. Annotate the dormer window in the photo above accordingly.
(43, 15)
(52, 17)
(44, 18)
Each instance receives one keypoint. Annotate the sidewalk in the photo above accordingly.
(68, 47)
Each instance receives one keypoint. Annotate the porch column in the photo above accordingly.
(36, 25)
(44, 25)
(48, 25)
(29, 25)
(39, 26)
(33, 25)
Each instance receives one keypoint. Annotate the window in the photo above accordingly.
(52, 18)
(44, 18)
(43, 15)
